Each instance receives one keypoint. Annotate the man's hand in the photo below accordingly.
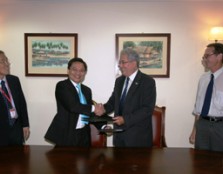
(119, 120)
(26, 133)
(192, 137)
(99, 109)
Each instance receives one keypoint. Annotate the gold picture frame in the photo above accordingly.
(153, 49)
(47, 54)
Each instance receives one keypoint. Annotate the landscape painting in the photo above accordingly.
(153, 50)
(48, 54)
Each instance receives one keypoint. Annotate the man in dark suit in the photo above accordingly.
(134, 115)
(67, 128)
(14, 122)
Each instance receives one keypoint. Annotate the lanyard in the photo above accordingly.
(6, 96)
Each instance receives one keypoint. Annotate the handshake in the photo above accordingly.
(99, 109)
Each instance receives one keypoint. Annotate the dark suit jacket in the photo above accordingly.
(137, 112)
(60, 132)
(21, 108)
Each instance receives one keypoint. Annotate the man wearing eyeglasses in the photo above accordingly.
(207, 132)
(133, 101)
(14, 122)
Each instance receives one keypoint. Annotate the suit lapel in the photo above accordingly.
(71, 86)
(83, 89)
(12, 89)
(120, 86)
(134, 85)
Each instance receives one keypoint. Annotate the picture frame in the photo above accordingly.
(153, 50)
(47, 54)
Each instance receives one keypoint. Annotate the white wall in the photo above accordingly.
(96, 25)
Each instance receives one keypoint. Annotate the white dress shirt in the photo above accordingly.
(131, 79)
(216, 107)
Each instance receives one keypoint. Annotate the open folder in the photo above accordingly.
(110, 130)
(104, 118)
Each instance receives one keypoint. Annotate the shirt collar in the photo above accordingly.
(74, 84)
(218, 72)
(132, 76)
(4, 79)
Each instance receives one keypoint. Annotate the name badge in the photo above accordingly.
(13, 113)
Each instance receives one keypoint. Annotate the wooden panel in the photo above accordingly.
(68, 160)
(97, 139)
(158, 124)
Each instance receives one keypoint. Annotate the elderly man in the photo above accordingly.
(133, 100)
(14, 122)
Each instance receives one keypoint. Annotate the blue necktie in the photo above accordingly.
(122, 100)
(7, 102)
(207, 99)
(83, 101)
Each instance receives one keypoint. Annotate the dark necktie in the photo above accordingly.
(122, 100)
(207, 99)
(7, 101)
(83, 101)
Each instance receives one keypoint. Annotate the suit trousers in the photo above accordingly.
(81, 137)
(13, 136)
(209, 135)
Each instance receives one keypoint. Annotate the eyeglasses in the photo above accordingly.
(5, 62)
(206, 56)
(123, 62)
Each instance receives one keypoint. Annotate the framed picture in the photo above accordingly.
(153, 50)
(47, 54)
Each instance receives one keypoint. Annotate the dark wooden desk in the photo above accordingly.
(67, 160)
